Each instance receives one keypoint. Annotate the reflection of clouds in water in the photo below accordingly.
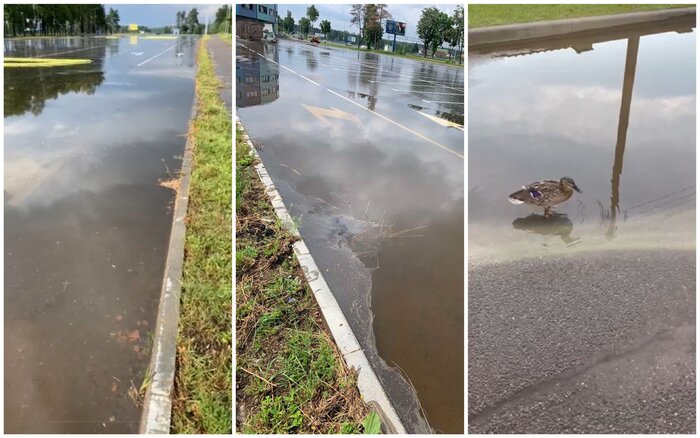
(93, 156)
(586, 112)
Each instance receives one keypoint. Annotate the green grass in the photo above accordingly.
(42, 62)
(398, 55)
(290, 377)
(226, 37)
(202, 402)
(494, 15)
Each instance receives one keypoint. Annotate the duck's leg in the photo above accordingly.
(547, 212)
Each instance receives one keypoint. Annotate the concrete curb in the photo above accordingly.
(543, 29)
(157, 403)
(367, 382)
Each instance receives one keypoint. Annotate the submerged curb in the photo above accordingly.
(542, 29)
(368, 384)
(157, 404)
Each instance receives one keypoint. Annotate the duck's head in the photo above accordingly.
(569, 184)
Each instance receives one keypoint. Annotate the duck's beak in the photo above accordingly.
(577, 189)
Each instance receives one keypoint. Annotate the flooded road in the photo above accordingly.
(87, 224)
(584, 322)
(367, 152)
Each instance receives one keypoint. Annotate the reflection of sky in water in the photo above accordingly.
(80, 133)
(556, 114)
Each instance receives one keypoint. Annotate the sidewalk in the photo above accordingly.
(222, 54)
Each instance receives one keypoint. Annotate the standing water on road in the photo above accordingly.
(380, 204)
(87, 224)
(584, 322)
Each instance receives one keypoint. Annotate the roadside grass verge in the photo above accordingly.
(290, 376)
(226, 37)
(398, 55)
(203, 383)
(494, 15)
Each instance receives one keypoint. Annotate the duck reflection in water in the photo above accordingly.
(555, 224)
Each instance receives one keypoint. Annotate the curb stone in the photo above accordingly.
(542, 29)
(157, 403)
(368, 384)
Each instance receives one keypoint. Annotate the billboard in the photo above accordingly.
(395, 27)
(133, 27)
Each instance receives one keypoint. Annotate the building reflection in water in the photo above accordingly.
(257, 79)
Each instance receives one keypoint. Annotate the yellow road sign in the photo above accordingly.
(133, 27)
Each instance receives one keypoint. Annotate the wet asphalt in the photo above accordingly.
(367, 152)
(597, 343)
(87, 224)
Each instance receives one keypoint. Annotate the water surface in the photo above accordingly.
(87, 225)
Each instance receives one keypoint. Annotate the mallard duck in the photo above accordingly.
(545, 193)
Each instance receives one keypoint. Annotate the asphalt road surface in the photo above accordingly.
(602, 342)
(367, 152)
(87, 224)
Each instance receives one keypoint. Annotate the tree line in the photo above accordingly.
(59, 19)
(434, 28)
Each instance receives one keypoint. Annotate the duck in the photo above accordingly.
(545, 193)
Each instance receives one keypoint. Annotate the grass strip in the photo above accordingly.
(226, 37)
(494, 15)
(42, 62)
(290, 376)
(203, 382)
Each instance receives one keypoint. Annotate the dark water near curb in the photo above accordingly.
(625, 135)
(380, 209)
(87, 225)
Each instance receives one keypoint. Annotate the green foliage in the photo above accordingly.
(304, 26)
(58, 19)
(326, 27)
(312, 13)
(287, 23)
(372, 424)
(432, 27)
(493, 15)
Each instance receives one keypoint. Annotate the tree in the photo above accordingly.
(193, 20)
(222, 19)
(113, 20)
(288, 23)
(458, 21)
(312, 13)
(373, 27)
(432, 26)
(357, 18)
(326, 27)
(304, 25)
(62, 19)
(181, 21)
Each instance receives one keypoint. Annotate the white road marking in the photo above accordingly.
(419, 135)
(155, 56)
(69, 51)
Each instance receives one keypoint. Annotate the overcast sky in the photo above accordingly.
(159, 15)
(339, 15)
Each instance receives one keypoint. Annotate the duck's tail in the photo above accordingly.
(519, 197)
